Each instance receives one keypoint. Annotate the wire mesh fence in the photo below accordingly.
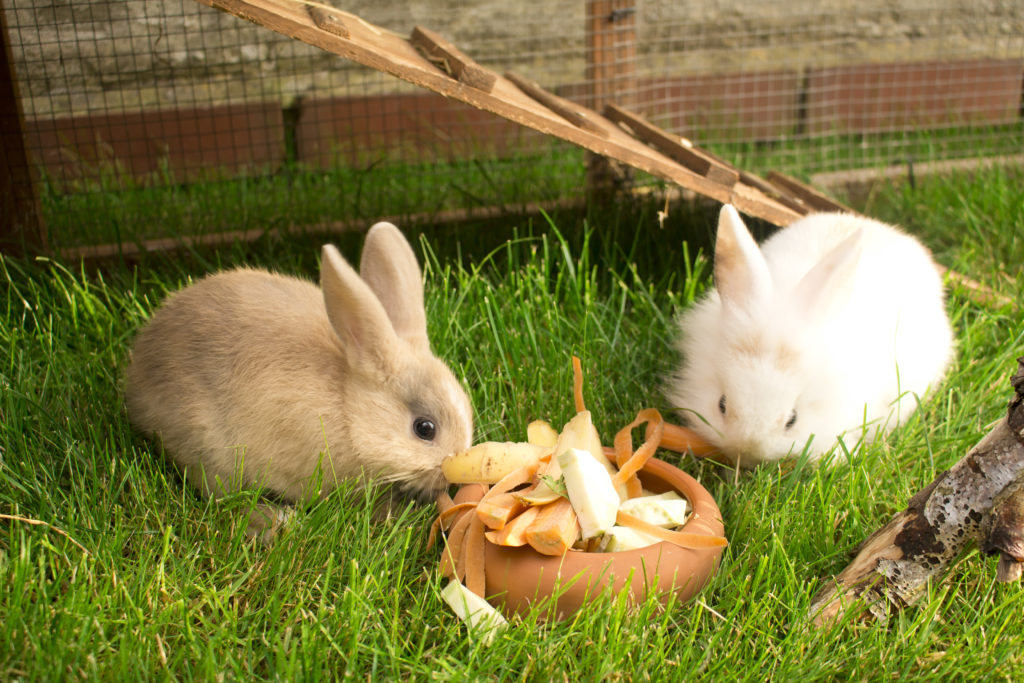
(146, 118)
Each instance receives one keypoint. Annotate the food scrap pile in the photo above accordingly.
(555, 492)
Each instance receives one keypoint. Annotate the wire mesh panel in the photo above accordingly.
(153, 117)
(823, 86)
(176, 118)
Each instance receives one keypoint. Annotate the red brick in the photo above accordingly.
(192, 143)
(738, 106)
(413, 127)
(880, 97)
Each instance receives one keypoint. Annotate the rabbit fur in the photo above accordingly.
(254, 379)
(833, 329)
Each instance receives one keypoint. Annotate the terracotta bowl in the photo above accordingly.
(518, 577)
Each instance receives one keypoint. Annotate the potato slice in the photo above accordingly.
(591, 492)
(479, 614)
(541, 493)
(488, 462)
(579, 432)
(541, 433)
(667, 509)
(620, 538)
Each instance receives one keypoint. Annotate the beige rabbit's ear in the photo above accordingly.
(355, 312)
(389, 267)
(741, 274)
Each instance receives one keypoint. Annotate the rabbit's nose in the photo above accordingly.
(748, 453)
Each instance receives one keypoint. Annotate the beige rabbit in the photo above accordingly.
(249, 378)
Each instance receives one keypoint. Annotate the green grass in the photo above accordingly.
(111, 207)
(806, 154)
(967, 222)
(131, 575)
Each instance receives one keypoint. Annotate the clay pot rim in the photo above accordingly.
(507, 566)
(705, 520)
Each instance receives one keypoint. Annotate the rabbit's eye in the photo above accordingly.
(424, 428)
(721, 405)
(792, 419)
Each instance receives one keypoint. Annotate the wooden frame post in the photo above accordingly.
(21, 222)
(610, 76)
(611, 53)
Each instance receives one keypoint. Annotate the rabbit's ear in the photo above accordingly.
(354, 310)
(825, 289)
(741, 273)
(389, 267)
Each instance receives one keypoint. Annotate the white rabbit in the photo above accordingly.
(251, 378)
(833, 329)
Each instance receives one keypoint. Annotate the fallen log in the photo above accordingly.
(978, 500)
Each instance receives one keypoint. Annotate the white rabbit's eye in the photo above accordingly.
(424, 428)
(792, 419)
(721, 405)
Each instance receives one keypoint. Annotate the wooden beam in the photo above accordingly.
(610, 53)
(610, 74)
(673, 146)
(564, 108)
(807, 194)
(453, 60)
(21, 222)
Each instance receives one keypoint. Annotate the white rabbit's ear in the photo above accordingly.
(741, 273)
(354, 310)
(389, 267)
(826, 288)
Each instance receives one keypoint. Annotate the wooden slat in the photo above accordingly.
(564, 108)
(452, 60)
(807, 194)
(767, 189)
(673, 146)
(328, 20)
(393, 54)
(774, 192)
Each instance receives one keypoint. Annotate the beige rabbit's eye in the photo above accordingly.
(721, 405)
(424, 428)
(792, 419)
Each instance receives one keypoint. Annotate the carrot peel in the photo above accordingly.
(679, 538)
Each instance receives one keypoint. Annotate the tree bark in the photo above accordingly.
(978, 500)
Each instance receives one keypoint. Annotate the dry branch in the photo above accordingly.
(979, 500)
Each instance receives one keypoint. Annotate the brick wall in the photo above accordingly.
(423, 127)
